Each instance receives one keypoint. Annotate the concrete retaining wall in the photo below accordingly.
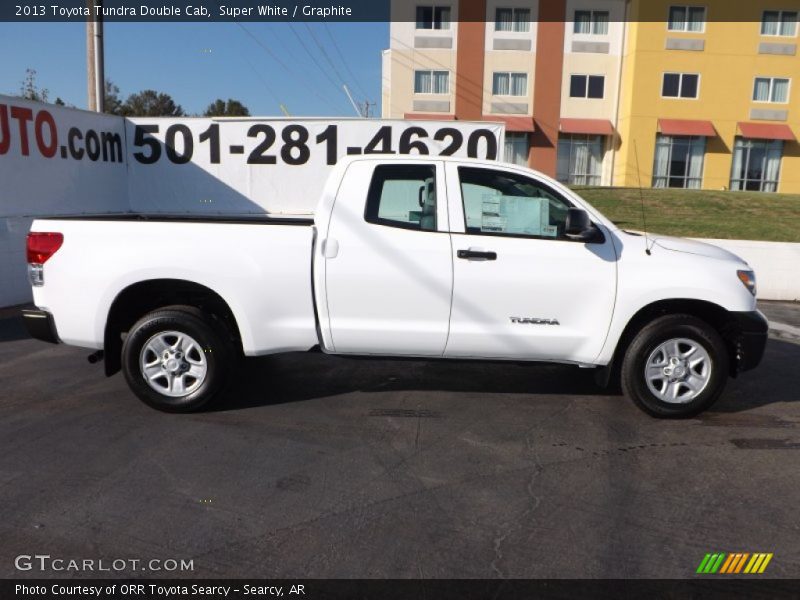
(777, 266)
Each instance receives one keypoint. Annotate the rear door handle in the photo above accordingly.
(476, 254)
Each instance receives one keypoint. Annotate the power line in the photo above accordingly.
(313, 58)
(344, 62)
(325, 54)
(263, 81)
(285, 67)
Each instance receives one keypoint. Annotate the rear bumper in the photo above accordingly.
(749, 336)
(40, 325)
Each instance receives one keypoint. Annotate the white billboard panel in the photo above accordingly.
(57, 160)
(273, 165)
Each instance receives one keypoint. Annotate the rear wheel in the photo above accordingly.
(676, 366)
(177, 359)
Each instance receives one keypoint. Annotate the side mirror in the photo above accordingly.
(579, 227)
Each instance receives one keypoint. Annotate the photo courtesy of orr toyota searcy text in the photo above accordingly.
(139, 590)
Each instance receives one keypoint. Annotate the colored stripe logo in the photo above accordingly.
(734, 563)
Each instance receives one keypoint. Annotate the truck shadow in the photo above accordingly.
(306, 376)
(12, 328)
(775, 380)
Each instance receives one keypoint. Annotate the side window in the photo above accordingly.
(499, 203)
(403, 196)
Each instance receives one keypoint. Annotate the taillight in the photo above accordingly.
(42, 245)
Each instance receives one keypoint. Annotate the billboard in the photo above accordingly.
(274, 165)
(56, 160)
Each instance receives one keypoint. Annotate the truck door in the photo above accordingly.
(388, 260)
(522, 289)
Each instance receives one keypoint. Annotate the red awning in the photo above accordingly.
(686, 127)
(766, 131)
(588, 126)
(428, 117)
(514, 124)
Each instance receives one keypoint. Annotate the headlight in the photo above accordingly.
(748, 279)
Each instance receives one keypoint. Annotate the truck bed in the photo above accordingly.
(263, 274)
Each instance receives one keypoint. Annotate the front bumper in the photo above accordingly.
(749, 337)
(40, 325)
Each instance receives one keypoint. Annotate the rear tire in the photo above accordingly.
(177, 359)
(676, 367)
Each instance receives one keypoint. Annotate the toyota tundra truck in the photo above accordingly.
(433, 258)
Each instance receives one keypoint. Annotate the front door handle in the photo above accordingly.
(476, 254)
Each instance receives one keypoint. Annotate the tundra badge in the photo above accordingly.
(534, 321)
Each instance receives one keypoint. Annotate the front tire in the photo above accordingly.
(676, 367)
(177, 359)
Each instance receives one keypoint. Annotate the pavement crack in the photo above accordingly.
(498, 555)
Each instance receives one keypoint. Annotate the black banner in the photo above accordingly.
(308, 10)
(436, 589)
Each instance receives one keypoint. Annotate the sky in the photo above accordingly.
(262, 65)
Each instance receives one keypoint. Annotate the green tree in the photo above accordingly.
(114, 103)
(149, 103)
(231, 108)
(30, 90)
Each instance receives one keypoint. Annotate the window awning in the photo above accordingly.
(428, 117)
(587, 126)
(766, 131)
(686, 127)
(513, 124)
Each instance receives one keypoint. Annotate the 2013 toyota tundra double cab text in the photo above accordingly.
(405, 257)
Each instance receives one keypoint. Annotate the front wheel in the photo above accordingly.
(176, 359)
(676, 366)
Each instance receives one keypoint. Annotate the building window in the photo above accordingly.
(512, 19)
(771, 89)
(591, 22)
(687, 18)
(680, 85)
(510, 84)
(779, 22)
(756, 165)
(586, 86)
(580, 159)
(679, 161)
(433, 17)
(516, 148)
(431, 82)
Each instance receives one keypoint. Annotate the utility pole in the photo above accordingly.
(367, 104)
(95, 63)
(91, 86)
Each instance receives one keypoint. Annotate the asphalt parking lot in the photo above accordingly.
(327, 467)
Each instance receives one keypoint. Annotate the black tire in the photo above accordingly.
(209, 334)
(662, 329)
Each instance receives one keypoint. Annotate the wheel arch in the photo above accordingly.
(141, 297)
(715, 315)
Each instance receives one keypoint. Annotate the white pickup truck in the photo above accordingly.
(405, 256)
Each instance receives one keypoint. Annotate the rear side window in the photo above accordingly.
(502, 203)
(403, 196)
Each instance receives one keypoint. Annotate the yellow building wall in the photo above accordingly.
(727, 66)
